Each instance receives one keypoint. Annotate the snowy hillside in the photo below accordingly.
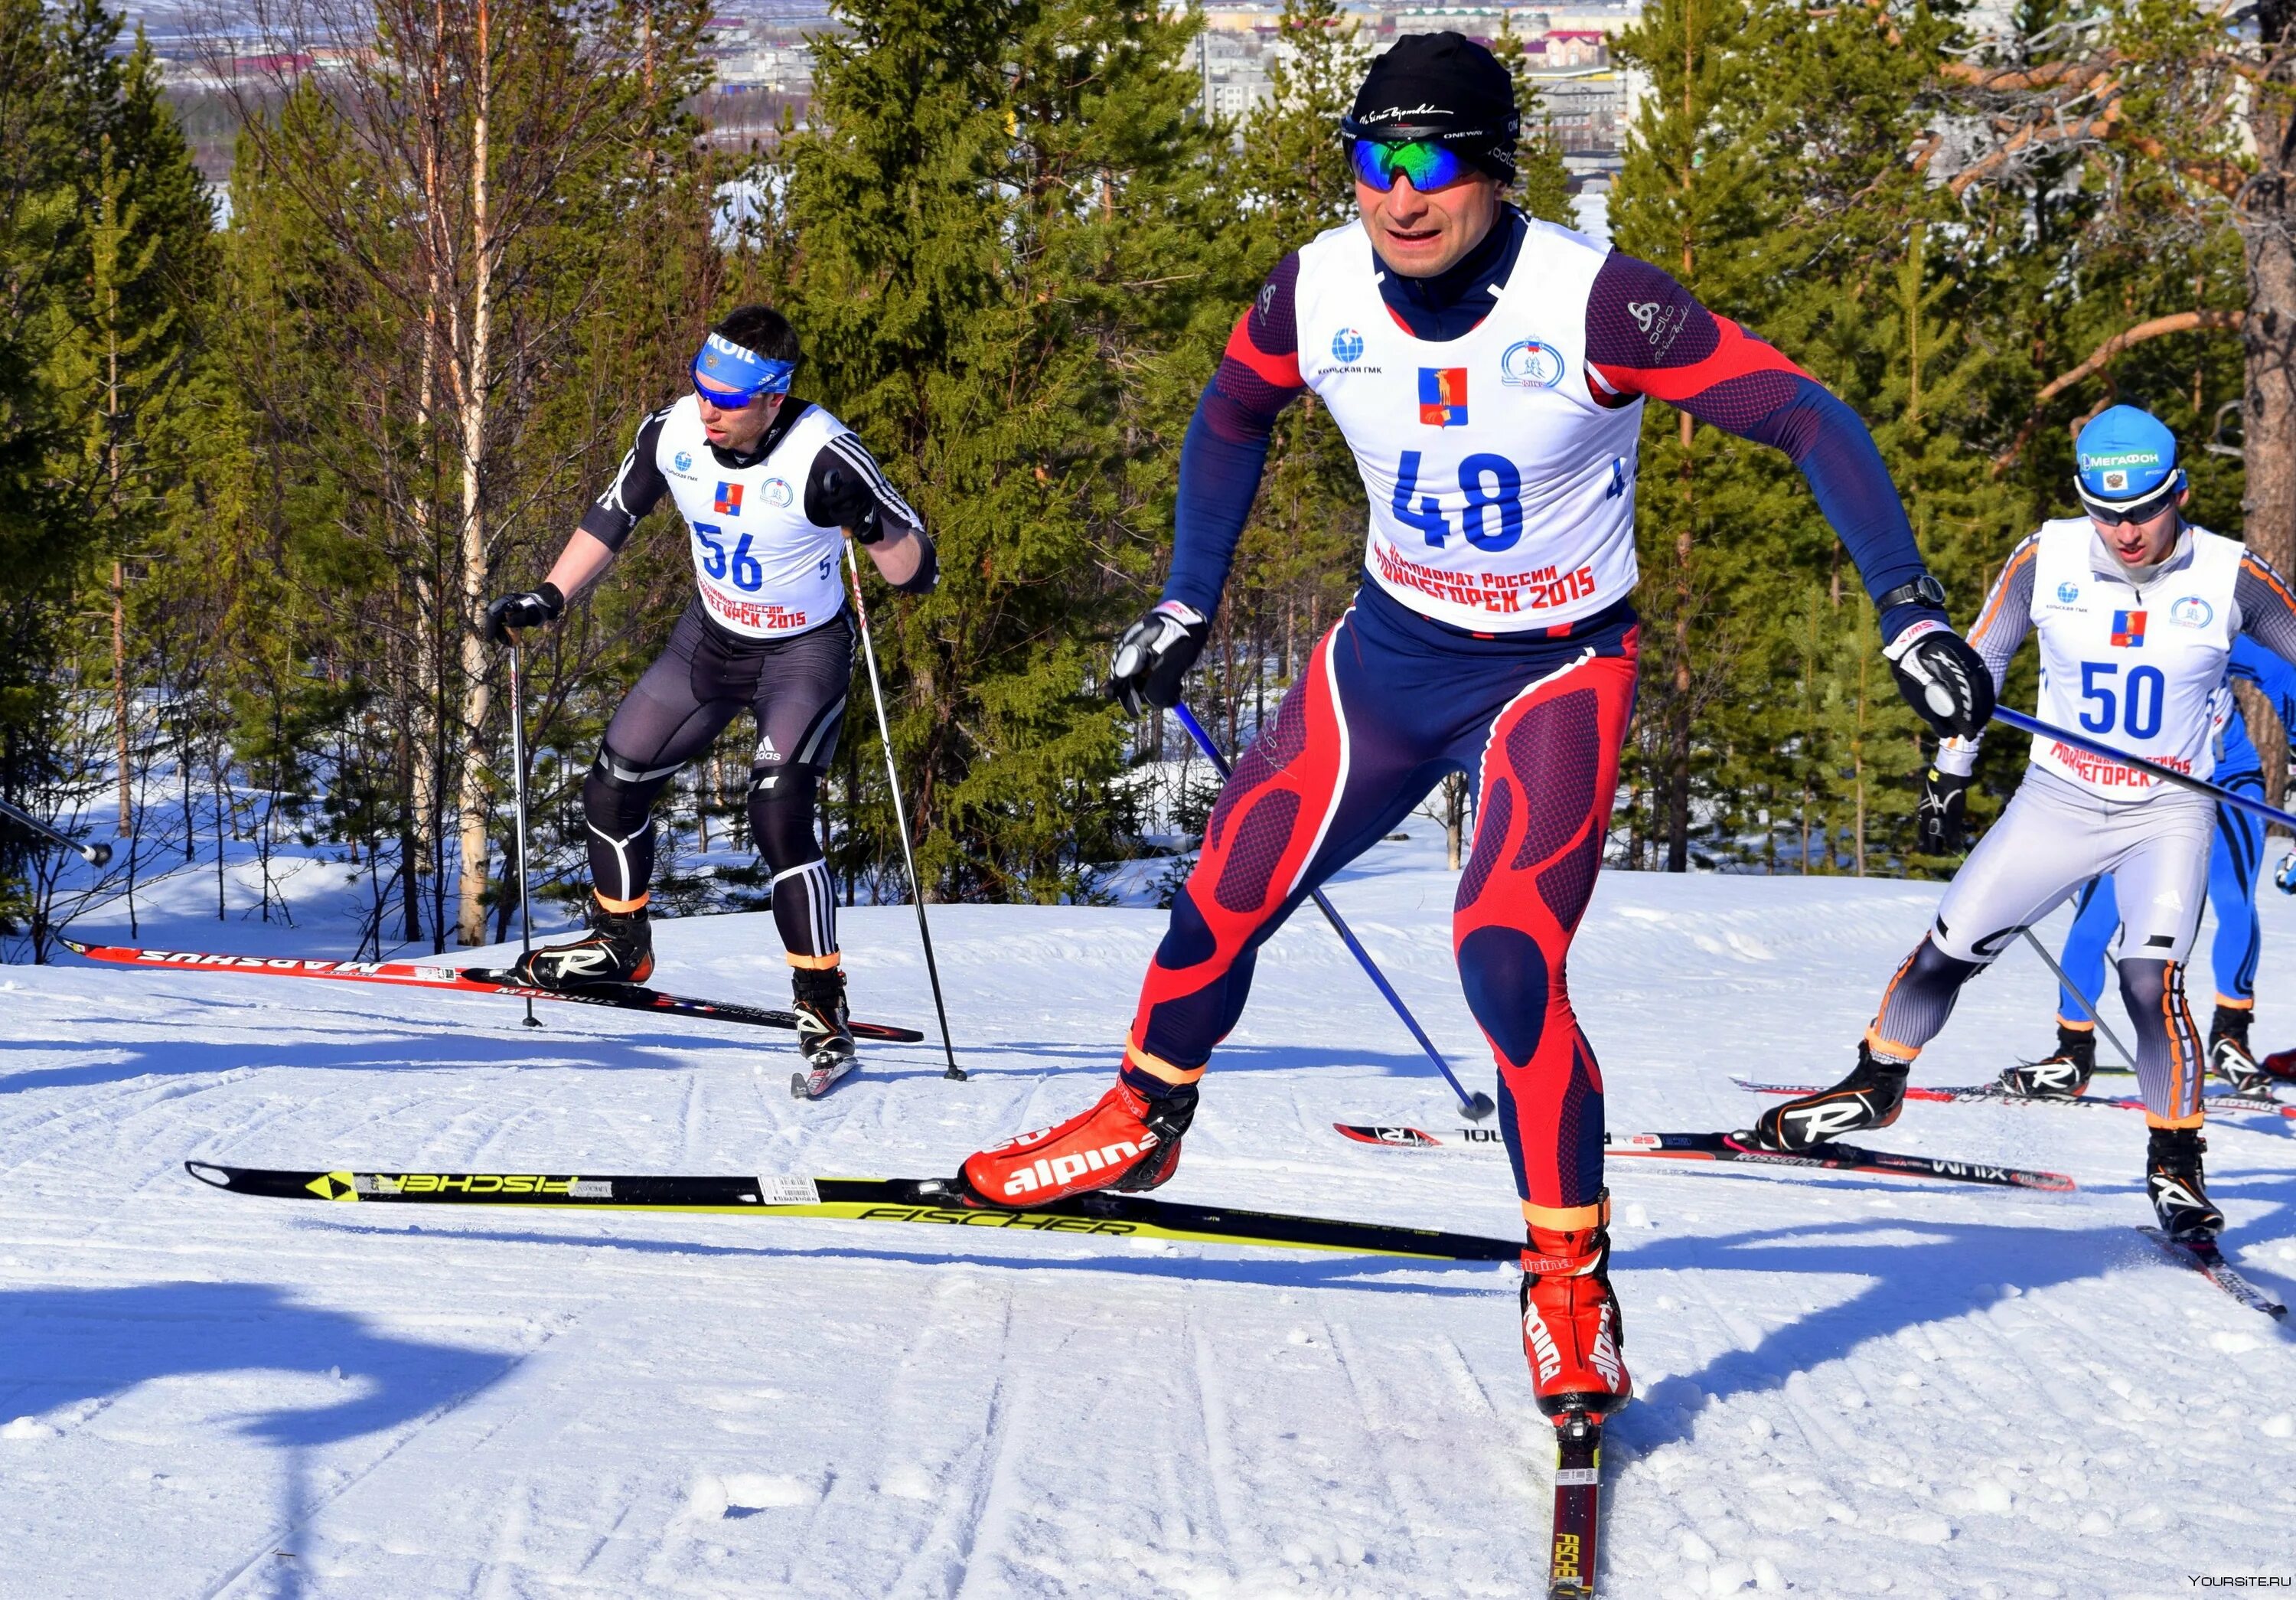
(1847, 1386)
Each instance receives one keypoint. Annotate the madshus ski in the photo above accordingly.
(934, 1201)
(1968, 1094)
(1740, 1148)
(2204, 1256)
(471, 980)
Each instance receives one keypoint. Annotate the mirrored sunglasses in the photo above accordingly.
(1427, 164)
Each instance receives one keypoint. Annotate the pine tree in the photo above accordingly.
(1694, 197)
(1003, 212)
(1542, 183)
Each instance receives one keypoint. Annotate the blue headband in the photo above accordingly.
(742, 374)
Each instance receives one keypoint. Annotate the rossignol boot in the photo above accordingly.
(1572, 1334)
(824, 1028)
(1870, 1097)
(1128, 1141)
(2063, 1076)
(2229, 1056)
(619, 948)
(2173, 1178)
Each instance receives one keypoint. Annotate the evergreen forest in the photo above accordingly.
(268, 447)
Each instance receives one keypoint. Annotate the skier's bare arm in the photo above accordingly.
(583, 562)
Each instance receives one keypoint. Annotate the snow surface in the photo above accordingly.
(1847, 1386)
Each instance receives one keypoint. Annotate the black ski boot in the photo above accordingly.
(2063, 1076)
(1870, 1097)
(2229, 1056)
(2172, 1177)
(619, 948)
(825, 1031)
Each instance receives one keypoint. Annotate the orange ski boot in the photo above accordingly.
(1128, 1141)
(1571, 1328)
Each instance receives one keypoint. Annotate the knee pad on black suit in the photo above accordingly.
(781, 813)
(618, 805)
(781, 823)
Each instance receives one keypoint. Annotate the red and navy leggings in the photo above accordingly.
(1391, 702)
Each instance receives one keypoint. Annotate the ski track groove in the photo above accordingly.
(286, 1531)
(1219, 1455)
(988, 1465)
(1407, 1507)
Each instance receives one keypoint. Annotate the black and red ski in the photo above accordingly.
(1739, 1148)
(470, 980)
(2204, 1256)
(1971, 1094)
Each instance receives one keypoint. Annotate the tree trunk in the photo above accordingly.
(1455, 817)
(1677, 713)
(2268, 337)
(120, 677)
(474, 798)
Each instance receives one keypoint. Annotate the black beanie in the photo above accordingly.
(1444, 87)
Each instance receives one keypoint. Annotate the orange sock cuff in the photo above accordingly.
(1889, 1049)
(2194, 1120)
(2083, 1026)
(621, 907)
(1157, 1067)
(816, 963)
(1567, 1218)
(2247, 1004)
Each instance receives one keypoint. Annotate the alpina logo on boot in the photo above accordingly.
(1043, 1174)
(1542, 1343)
(1604, 1356)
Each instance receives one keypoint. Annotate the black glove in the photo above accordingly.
(532, 609)
(1155, 654)
(1941, 821)
(2283, 876)
(1942, 679)
(848, 502)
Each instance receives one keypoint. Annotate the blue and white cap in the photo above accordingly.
(2126, 456)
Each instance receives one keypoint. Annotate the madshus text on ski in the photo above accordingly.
(1489, 373)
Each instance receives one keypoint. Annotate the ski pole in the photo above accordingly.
(2166, 775)
(518, 818)
(95, 855)
(1478, 1105)
(900, 815)
(2080, 998)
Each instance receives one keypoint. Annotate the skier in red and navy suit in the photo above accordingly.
(1488, 371)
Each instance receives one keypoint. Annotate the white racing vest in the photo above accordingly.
(765, 571)
(2138, 669)
(1502, 495)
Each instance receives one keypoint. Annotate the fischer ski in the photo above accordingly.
(936, 1200)
(471, 980)
(2204, 1256)
(1730, 1147)
(1968, 1094)
(1578, 1505)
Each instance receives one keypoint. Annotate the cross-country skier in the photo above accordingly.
(2137, 611)
(1489, 373)
(768, 484)
(2234, 859)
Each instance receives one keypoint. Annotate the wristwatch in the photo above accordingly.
(1924, 590)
